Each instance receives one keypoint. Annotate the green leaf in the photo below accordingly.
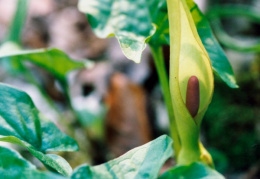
(53, 60)
(159, 16)
(217, 56)
(14, 166)
(192, 171)
(129, 21)
(12, 163)
(13, 66)
(141, 162)
(21, 123)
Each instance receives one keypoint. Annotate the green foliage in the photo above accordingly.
(24, 125)
(159, 16)
(230, 125)
(141, 162)
(192, 171)
(14, 166)
(220, 63)
(127, 20)
(220, 160)
(124, 24)
(250, 12)
(13, 66)
(194, 52)
(53, 60)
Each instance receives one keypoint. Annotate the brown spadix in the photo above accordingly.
(193, 96)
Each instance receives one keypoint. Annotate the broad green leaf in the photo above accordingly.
(53, 60)
(220, 63)
(141, 162)
(14, 166)
(192, 171)
(129, 21)
(21, 123)
(132, 22)
(188, 58)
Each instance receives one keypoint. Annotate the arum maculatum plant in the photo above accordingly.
(194, 55)
(191, 82)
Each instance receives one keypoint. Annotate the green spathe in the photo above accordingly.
(188, 57)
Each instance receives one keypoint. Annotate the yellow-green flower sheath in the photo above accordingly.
(189, 62)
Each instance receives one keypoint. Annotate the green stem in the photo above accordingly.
(157, 53)
(15, 30)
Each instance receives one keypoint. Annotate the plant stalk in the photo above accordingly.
(15, 30)
(157, 53)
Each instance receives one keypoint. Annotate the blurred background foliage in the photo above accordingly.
(117, 96)
(231, 124)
